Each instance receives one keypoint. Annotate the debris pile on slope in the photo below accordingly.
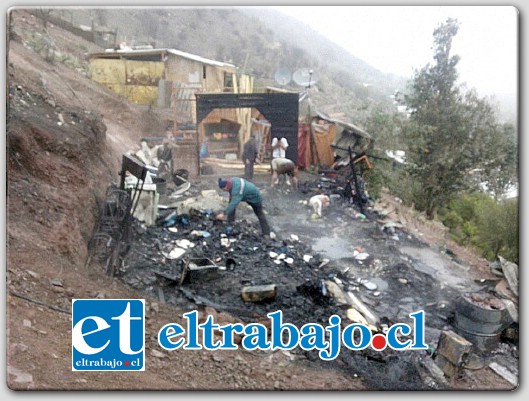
(190, 260)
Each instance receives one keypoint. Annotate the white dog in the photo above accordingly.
(318, 202)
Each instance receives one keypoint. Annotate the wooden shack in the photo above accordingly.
(166, 81)
(321, 138)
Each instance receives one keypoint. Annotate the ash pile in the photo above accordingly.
(189, 259)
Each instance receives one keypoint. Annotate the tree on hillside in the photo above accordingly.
(450, 135)
(501, 173)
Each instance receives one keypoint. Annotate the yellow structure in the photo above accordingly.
(168, 79)
(135, 80)
(152, 76)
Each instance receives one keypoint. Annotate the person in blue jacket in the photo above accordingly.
(243, 190)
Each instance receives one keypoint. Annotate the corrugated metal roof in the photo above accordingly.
(141, 52)
(350, 126)
(124, 52)
(199, 58)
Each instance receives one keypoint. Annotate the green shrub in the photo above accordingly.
(478, 220)
(498, 229)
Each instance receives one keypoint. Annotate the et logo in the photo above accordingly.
(108, 335)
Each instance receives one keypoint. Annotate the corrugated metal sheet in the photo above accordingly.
(347, 134)
(113, 54)
(314, 112)
(346, 137)
(183, 100)
(200, 59)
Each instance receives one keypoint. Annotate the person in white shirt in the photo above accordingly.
(279, 147)
(279, 151)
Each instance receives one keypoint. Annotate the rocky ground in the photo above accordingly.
(65, 138)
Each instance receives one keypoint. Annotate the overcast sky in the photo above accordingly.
(399, 39)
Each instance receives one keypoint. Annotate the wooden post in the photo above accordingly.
(313, 148)
(173, 104)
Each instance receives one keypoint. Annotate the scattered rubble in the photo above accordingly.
(241, 273)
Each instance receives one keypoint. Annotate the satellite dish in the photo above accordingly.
(305, 77)
(283, 76)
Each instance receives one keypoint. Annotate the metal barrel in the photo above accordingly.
(481, 322)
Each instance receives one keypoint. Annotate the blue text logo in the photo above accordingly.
(108, 334)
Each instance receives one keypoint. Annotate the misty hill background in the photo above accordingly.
(258, 41)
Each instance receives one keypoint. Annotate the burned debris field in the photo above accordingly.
(288, 262)
(345, 263)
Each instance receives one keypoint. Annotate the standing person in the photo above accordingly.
(279, 147)
(281, 165)
(249, 155)
(164, 154)
(242, 190)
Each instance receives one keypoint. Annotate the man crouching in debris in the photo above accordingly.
(242, 190)
(281, 165)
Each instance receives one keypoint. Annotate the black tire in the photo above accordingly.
(468, 324)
